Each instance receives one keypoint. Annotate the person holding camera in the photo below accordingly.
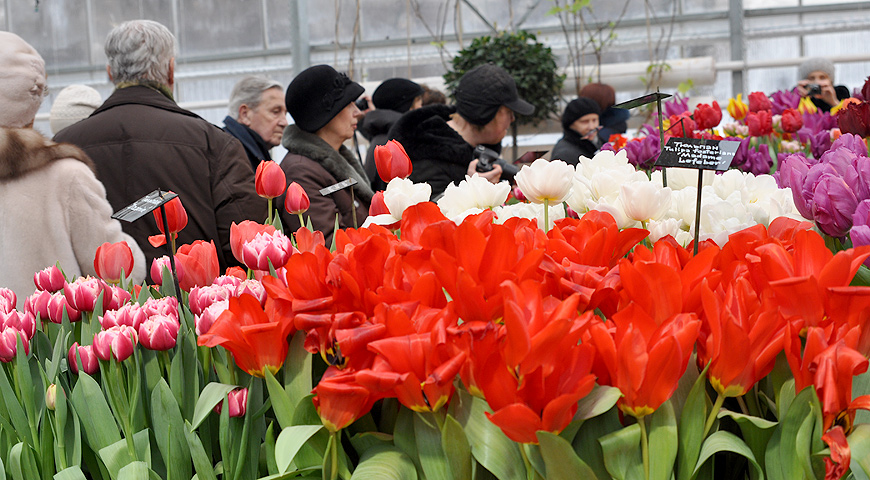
(580, 131)
(441, 139)
(817, 82)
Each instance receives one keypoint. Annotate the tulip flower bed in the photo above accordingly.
(475, 338)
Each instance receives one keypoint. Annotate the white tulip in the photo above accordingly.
(546, 181)
(530, 211)
(645, 201)
(474, 192)
(400, 194)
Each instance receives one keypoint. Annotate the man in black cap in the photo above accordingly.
(392, 98)
(441, 139)
(580, 131)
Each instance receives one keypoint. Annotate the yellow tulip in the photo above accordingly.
(736, 108)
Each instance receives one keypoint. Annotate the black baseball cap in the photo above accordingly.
(483, 90)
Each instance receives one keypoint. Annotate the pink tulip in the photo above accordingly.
(253, 288)
(392, 161)
(162, 306)
(37, 304)
(296, 202)
(22, 321)
(264, 249)
(9, 343)
(49, 279)
(269, 180)
(117, 342)
(115, 297)
(131, 314)
(83, 293)
(159, 332)
(113, 260)
(201, 297)
(8, 300)
(57, 305)
(157, 270)
(378, 206)
(230, 280)
(89, 361)
(204, 321)
(237, 402)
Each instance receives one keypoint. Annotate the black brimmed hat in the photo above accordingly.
(483, 90)
(317, 95)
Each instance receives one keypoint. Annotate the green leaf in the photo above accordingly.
(457, 448)
(723, 441)
(560, 460)
(862, 277)
(137, 471)
(691, 427)
(859, 443)
(211, 395)
(489, 445)
(281, 403)
(600, 400)
(784, 450)
(168, 426)
(756, 432)
(91, 408)
(622, 453)
(663, 442)
(404, 438)
(586, 441)
(71, 473)
(290, 440)
(366, 440)
(201, 463)
(117, 455)
(297, 369)
(433, 459)
(384, 463)
(22, 465)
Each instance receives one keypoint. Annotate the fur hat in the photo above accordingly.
(396, 94)
(22, 81)
(317, 95)
(816, 64)
(483, 90)
(577, 108)
(72, 104)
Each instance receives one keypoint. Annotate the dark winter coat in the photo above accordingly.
(571, 146)
(141, 140)
(438, 153)
(612, 120)
(376, 124)
(314, 164)
(255, 147)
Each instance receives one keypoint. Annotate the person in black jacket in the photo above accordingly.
(392, 98)
(612, 120)
(580, 129)
(257, 116)
(440, 139)
(817, 82)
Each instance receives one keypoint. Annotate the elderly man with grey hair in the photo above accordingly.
(257, 116)
(141, 140)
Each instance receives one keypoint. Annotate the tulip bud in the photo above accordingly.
(83, 293)
(159, 333)
(22, 321)
(234, 272)
(392, 161)
(51, 397)
(115, 297)
(113, 260)
(132, 315)
(378, 206)
(253, 288)
(237, 401)
(264, 249)
(49, 279)
(162, 306)
(269, 180)
(176, 220)
(8, 300)
(296, 202)
(9, 343)
(37, 304)
(86, 358)
(159, 264)
(117, 342)
(204, 321)
(57, 305)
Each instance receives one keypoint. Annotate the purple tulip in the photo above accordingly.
(758, 161)
(839, 159)
(644, 153)
(783, 100)
(833, 205)
(792, 173)
(675, 106)
(820, 143)
(852, 142)
(861, 184)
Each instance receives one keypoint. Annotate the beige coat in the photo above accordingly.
(52, 208)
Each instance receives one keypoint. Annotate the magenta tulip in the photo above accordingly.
(9, 343)
(86, 359)
(265, 249)
(158, 332)
(237, 401)
(83, 293)
(59, 304)
(132, 315)
(49, 279)
(8, 300)
(117, 342)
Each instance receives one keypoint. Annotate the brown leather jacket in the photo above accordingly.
(140, 140)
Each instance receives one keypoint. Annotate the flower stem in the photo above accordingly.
(301, 222)
(529, 468)
(713, 414)
(644, 446)
(546, 214)
(269, 214)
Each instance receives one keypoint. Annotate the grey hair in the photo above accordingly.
(140, 51)
(249, 91)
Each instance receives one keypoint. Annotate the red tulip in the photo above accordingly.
(159, 332)
(378, 206)
(236, 272)
(296, 201)
(8, 299)
(237, 403)
(117, 342)
(340, 399)
(708, 116)
(392, 161)
(9, 337)
(200, 263)
(176, 219)
(758, 102)
(113, 260)
(245, 232)
(760, 123)
(791, 120)
(157, 266)
(49, 279)
(256, 341)
(837, 464)
(86, 358)
(834, 369)
(270, 180)
(855, 119)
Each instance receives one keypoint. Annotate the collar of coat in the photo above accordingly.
(341, 164)
(24, 149)
(142, 95)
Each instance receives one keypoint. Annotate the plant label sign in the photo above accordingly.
(143, 206)
(698, 153)
(337, 186)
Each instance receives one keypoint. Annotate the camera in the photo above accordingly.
(362, 104)
(485, 158)
(814, 89)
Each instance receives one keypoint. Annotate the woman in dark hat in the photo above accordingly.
(321, 102)
(580, 129)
